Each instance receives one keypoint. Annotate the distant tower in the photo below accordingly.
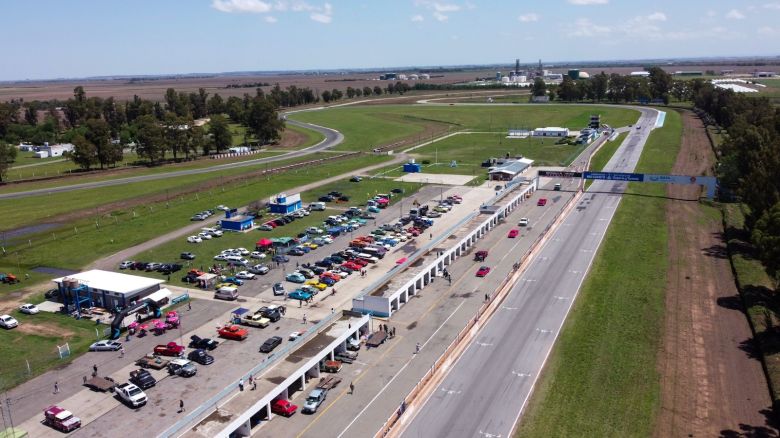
(539, 71)
(517, 66)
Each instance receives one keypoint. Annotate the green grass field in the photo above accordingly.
(204, 252)
(75, 245)
(38, 345)
(367, 127)
(604, 154)
(601, 378)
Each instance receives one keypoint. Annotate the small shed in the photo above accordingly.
(283, 242)
(284, 204)
(509, 170)
(412, 167)
(207, 281)
(237, 222)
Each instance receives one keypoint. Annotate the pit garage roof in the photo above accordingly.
(112, 281)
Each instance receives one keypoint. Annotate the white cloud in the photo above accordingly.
(439, 16)
(656, 16)
(768, 31)
(527, 18)
(711, 13)
(251, 6)
(773, 5)
(321, 14)
(445, 7)
(588, 2)
(417, 18)
(735, 14)
(583, 27)
(440, 10)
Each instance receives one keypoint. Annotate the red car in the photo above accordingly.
(331, 275)
(483, 271)
(169, 349)
(233, 332)
(359, 261)
(61, 419)
(542, 202)
(352, 265)
(283, 407)
(513, 233)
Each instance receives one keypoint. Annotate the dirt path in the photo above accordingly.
(710, 386)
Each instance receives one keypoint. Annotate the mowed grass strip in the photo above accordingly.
(36, 340)
(601, 378)
(370, 126)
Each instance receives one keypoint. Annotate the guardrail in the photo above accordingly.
(212, 403)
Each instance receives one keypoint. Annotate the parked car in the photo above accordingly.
(259, 269)
(557, 187)
(105, 345)
(60, 419)
(283, 407)
(295, 277)
(182, 367)
(314, 400)
(194, 239)
(187, 256)
(142, 378)
(30, 309)
(483, 271)
(278, 289)
(204, 343)
(169, 349)
(233, 332)
(205, 236)
(271, 343)
(126, 264)
(480, 256)
(299, 295)
(245, 275)
(131, 394)
(265, 227)
(200, 356)
(279, 258)
(523, 222)
(257, 255)
(356, 179)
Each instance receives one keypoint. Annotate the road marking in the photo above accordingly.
(560, 298)
(450, 391)
(519, 374)
(543, 331)
(510, 308)
(489, 435)
(483, 344)
(395, 375)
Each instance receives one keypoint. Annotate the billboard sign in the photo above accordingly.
(560, 174)
(615, 176)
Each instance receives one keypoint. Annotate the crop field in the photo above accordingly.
(368, 127)
(76, 244)
(601, 378)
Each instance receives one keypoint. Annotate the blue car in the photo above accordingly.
(234, 280)
(280, 258)
(299, 295)
(327, 281)
(295, 277)
(373, 209)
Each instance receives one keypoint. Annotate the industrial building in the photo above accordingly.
(551, 132)
(509, 170)
(283, 204)
(764, 74)
(237, 222)
(104, 289)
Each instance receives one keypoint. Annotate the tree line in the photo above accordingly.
(749, 164)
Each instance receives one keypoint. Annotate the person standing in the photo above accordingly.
(181, 405)
(56, 387)
(94, 370)
(417, 348)
(351, 388)
(189, 305)
(304, 318)
(241, 384)
(121, 352)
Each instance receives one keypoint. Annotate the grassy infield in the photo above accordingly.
(601, 379)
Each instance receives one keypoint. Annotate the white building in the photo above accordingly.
(105, 289)
(56, 150)
(552, 131)
(643, 74)
(425, 76)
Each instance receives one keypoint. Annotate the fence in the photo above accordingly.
(211, 404)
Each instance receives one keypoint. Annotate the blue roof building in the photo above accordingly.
(237, 222)
(283, 204)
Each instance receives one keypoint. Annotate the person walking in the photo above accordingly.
(56, 387)
(241, 384)
(94, 370)
(351, 388)
(304, 318)
(417, 348)
(121, 352)
(189, 305)
(181, 406)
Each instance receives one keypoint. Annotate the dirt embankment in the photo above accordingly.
(711, 384)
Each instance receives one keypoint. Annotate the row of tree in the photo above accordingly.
(749, 165)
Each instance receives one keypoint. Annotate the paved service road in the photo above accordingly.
(487, 389)
(332, 138)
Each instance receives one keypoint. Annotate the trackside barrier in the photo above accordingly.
(234, 154)
(459, 344)
(211, 404)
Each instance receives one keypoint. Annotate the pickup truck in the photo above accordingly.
(182, 367)
(142, 378)
(169, 349)
(330, 366)
(347, 356)
(153, 362)
(314, 400)
(131, 394)
(60, 419)
(256, 320)
(233, 332)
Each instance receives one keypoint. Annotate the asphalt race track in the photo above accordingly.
(486, 390)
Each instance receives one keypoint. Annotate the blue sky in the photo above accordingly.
(77, 38)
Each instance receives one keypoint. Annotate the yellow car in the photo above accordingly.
(311, 245)
(221, 285)
(317, 284)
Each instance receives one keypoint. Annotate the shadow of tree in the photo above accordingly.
(769, 429)
(733, 302)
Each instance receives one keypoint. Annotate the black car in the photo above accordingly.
(273, 314)
(343, 198)
(337, 259)
(279, 222)
(318, 270)
(346, 269)
(326, 198)
(397, 190)
(325, 263)
(142, 379)
(269, 345)
(335, 194)
(296, 252)
(200, 356)
(287, 219)
(203, 343)
(187, 256)
(280, 258)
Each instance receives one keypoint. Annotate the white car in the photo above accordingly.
(223, 207)
(204, 236)
(30, 309)
(194, 239)
(341, 274)
(257, 255)
(294, 335)
(8, 322)
(313, 230)
(126, 264)
(105, 346)
(245, 275)
(131, 394)
(220, 257)
(327, 239)
(523, 222)
(243, 251)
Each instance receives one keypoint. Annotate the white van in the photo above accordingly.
(226, 293)
(317, 206)
(369, 258)
(237, 260)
